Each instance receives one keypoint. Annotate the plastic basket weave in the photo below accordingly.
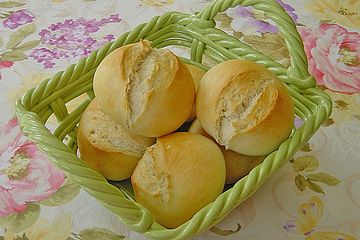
(197, 33)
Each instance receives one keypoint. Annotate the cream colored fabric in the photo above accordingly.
(276, 210)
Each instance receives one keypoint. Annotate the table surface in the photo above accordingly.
(316, 196)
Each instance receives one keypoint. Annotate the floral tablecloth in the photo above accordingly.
(315, 196)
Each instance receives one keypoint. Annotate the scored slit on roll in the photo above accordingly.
(143, 70)
(239, 111)
(106, 146)
(245, 107)
(156, 182)
(141, 87)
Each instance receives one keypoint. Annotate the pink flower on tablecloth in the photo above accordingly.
(5, 64)
(18, 18)
(26, 175)
(71, 39)
(334, 57)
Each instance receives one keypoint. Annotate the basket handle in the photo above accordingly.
(298, 71)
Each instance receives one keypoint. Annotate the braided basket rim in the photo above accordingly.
(34, 108)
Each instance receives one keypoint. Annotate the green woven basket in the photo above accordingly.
(198, 33)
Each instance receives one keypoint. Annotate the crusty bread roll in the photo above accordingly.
(178, 176)
(148, 91)
(196, 73)
(237, 165)
(244, 107)
(106, 146)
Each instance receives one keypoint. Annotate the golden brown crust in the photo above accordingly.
(196, 73)
(148, 91)
(237, 165)
(172, 179)
(107, 72)
(112, 165)
(275, 128)
(244, 107)
(106, 147)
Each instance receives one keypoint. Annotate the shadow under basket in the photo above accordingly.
(199, 34)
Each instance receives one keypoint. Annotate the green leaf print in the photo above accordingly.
(309, 163)
(328, 122)
(224, 232)
(63, 195)
(1, 43)
(305, 163)
(238, 34)
(306, 148)
(271, 44)
(99, 233)
(27, 46)
(13, 56)
(341, 105)
(21, 221)
(314, 186)
(324, 178)
(17, 37)
(224, 21)
(11, 4)
(300, 182)
(23, 237)
(328, 21)
(5, 15)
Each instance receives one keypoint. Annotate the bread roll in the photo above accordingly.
(244, 107)
(148, 91)
(196, 73)
(179, 175)
(237, 165)
(106, 146)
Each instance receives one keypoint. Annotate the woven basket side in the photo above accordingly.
(50, 97)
